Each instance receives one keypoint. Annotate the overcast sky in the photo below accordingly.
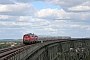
(44, 17)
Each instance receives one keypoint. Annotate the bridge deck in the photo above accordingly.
(74, 49)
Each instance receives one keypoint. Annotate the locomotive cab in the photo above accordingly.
(30, 38)
(26, 39)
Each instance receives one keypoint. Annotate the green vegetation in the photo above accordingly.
(9, 43)
(88, 58)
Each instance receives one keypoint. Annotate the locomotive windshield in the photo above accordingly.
(26, 37)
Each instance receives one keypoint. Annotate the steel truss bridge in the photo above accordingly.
(74, 49)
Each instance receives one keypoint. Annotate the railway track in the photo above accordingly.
(10, 48)
(11, 51)
(6, 53)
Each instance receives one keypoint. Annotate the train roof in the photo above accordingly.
(30, 34)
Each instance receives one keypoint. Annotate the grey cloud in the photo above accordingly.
(67, 3)
(25, 1)
(17, 9)
(8, 18)
(77, 11)
(6, 2)
(50, 17)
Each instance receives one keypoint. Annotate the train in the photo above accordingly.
(32, 38)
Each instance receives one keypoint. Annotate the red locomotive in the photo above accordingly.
(30, 38)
